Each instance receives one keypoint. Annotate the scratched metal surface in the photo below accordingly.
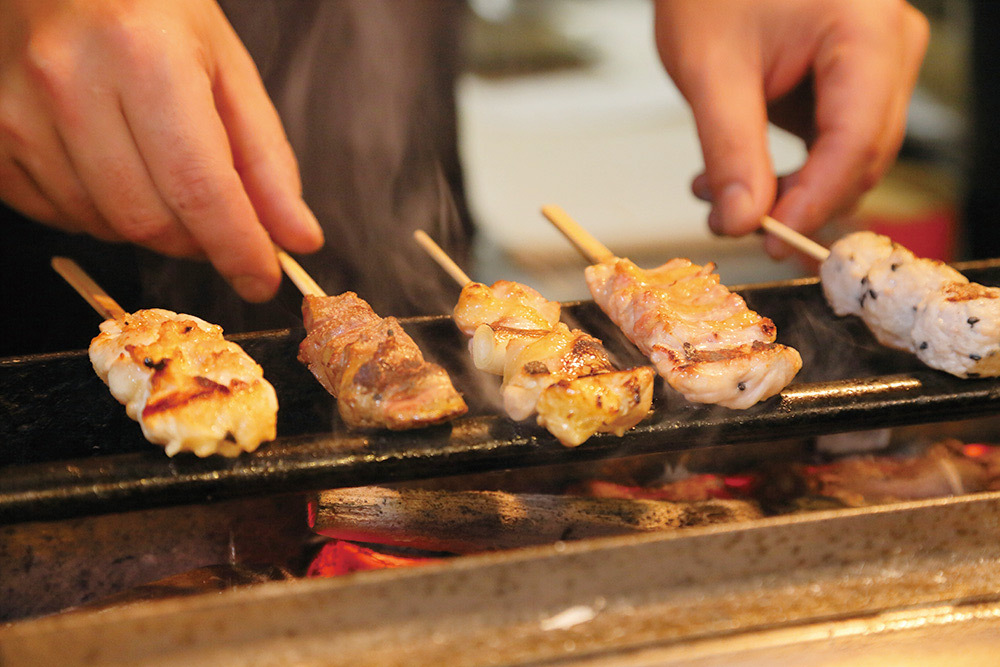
(67, 447)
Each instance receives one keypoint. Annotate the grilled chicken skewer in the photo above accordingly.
(910, 303)
(701, 337)
(188, 387)
(370, 364)
(564, 376)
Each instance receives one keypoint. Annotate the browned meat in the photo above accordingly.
(565, 377)
(374, 369)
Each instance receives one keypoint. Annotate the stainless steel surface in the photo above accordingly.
(648, 600)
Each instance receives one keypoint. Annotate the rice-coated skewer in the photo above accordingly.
(914, 304)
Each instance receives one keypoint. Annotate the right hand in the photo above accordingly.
(852, 64)
(146, 121)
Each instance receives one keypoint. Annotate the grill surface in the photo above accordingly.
(69, 449)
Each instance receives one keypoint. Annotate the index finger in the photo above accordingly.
(860, 120)
(176, 126)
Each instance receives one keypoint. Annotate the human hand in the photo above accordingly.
(741, 63)
(146, 121)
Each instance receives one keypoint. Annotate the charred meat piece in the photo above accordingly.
(372, 366)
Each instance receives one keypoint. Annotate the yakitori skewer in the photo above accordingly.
(701, 337)
(563, 376)
(188, 387)
(914, 304)
(370, 364)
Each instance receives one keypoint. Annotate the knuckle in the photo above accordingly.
(192, 189)
(45, 64)
(133, 42)
(144, 228)
(920, 27)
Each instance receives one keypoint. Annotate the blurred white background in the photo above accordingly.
(566, 103)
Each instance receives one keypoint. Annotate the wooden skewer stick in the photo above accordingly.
(79, 280)
(794, 239)
(298, 275)
(595, 252)
(592, 249)
(442, 258)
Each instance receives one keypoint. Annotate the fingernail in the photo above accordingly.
(732, 211)
(312, 224)
(252, 288)
(701, 188)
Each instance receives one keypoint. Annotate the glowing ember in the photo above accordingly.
(976, 450)
(693, 488)
(338, 557)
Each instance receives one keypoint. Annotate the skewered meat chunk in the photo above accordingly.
(612, 402)
(534, 367)
(701, 337)
(374, 369)
(504, 304)
(915, 304)
(958, 330)
(188, 387)
(564, 376)
(512, 312)
(896, 286)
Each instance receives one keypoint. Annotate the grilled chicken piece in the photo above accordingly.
(611, 402)
(188, 387)
(373, 368)
(559, 355)
(843, 274)
(505, 304)
(914, 304)
(564, 376)
(512, 312)
(701, 337)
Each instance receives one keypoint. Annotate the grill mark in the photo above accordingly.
(203, 388)
(535, 368)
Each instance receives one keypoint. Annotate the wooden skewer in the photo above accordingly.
(442, 258)
(79, 280)
(794, 239)
(298, 275)
(596, 253)
(592, 249)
